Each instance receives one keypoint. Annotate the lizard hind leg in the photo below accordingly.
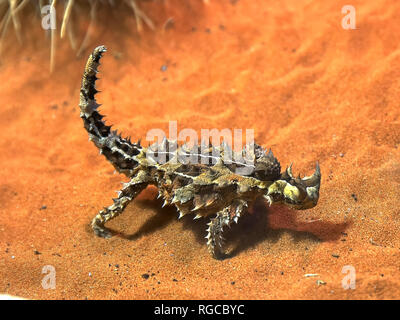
(225, 217)
(125, 196)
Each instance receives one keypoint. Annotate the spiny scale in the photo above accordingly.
(211, 186)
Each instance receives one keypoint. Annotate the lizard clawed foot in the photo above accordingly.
(221, 254)
(100, 230)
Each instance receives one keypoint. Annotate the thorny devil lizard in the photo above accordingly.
(214, 188)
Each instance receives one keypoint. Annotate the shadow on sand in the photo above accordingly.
(252, 229)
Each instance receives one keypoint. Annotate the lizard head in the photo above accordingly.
(298, 193)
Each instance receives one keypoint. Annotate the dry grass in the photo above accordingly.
(11, 10)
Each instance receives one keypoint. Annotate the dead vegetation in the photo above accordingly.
(12, 10)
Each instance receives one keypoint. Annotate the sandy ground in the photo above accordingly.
(311, 91)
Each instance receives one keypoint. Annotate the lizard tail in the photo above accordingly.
(119, 151)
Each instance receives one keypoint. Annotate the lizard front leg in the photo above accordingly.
(215, 230)
(126, 195)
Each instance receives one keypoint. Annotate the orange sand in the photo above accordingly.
(310, 90)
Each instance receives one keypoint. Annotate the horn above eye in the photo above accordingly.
(314, 180)
(289, 171)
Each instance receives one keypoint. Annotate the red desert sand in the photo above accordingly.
(310, 89)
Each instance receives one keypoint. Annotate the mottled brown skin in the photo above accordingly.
(194, 180)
